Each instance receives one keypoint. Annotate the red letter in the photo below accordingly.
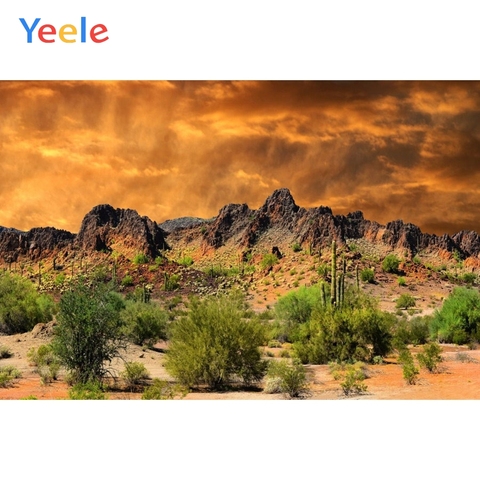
(42, 33)
(94, 35)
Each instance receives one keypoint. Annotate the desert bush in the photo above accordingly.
(430, 357)
(405, 301)
(353, 381)
(410, 371)
(135, 374)
(5, 352)
(390, 264)
(162, 390)
(92, 390)
(46, 362)
(29, 397)
(140, 259)
(171, 282)
(185, 261)
(458, 319)
(354, 333)
(367, 275)
(8, 374)
(289, 378)
(145, 323)
(21, 306)
(296, 247)
(127, 281)
(215, 344)
(89, 332)
(464, 357)
(401, 281)
(268, 261)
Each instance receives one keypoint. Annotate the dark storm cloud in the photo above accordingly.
(393, 149)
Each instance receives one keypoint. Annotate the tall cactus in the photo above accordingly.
(334, 274)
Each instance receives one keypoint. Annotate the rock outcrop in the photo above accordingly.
(105, 226)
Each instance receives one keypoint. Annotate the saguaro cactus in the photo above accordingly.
(334, 274)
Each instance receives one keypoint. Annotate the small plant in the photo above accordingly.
(171, 282)
(464, 357)
(5, 352)
(410, 371)
(289, 378)
(30, 397)
(46, 362)
(87, 391)
(268, 261)
(353, 381)
(390, 264)
(135, 374)
(8, 375)
(367, 275)
(140, 259)
(186, 261)
(127, 281)
(430, 357)
(401, 281)
(405, 301)
(296, 247)
(162, 390)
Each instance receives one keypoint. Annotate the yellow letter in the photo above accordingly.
(63, 31)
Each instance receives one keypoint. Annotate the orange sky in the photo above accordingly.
(408, 150)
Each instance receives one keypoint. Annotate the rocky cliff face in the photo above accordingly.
(105, 226)
(34, 244)
(279, 219)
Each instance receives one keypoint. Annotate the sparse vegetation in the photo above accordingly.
(367, 275)
(390, 264)
(405, 301)
(140, 259)
(89, 333)
(430, 357)
(268, 261)
(8, 375)
(21, 306)
(215, 344)
(135, 374)
(289, 378)
(162, 390)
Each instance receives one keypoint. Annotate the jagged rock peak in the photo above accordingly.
(280, 202)
(105, 223)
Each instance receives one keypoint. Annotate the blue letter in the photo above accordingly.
(84, 29)
(29, 29)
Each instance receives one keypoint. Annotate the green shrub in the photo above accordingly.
(289, 378)
(296, 247)
(458, 319)
(405, 301)
(186, 261)
(127, 281)
(171, 282)
(89, 331)
(47, 363)
(145, 323)
(140, 259)
(21, 306)
(469, 278)
(5, 352)
(8, 374)
(410, 371)
(162, 390)
(268, 261)
(390, 264)
(135, 374)
(214, 344)
(29, 397)
(87, 391)
(430, 357)
(367, 275)
(401, 281)
(353, 381)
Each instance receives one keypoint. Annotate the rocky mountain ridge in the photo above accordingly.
(106, 228)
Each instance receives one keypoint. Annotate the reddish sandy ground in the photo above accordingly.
(456, 380)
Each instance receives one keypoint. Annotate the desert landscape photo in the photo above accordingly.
(250, 240)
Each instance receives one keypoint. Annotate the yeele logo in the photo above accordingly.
(66, 33)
